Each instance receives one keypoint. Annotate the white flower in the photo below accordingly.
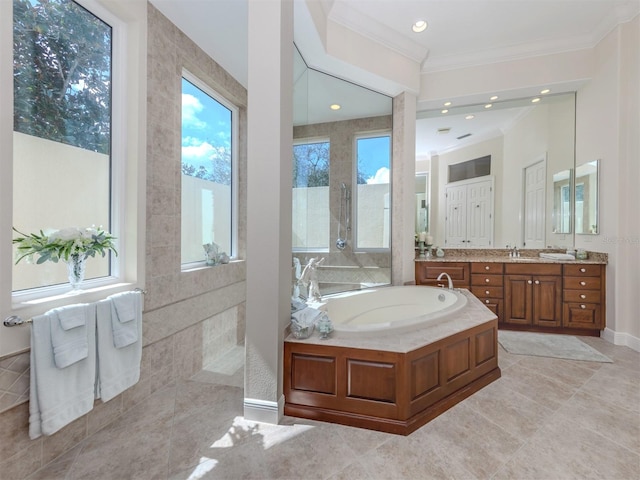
(66, 234)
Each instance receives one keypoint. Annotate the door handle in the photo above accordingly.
(529, 282)
(537, 282)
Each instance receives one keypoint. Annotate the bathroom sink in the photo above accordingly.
(523, 259)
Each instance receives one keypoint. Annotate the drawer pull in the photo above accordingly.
(487, 302)
(486, 280)
(583, 296)
(537, 282)
(583, 306)
(583, 270)
(486, 267)
(486, 292)
(583, 283)
(529, 282)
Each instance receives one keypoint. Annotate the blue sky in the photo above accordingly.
(206, 126)
(373, 157)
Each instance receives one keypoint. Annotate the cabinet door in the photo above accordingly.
(547, 301)
(517, 299)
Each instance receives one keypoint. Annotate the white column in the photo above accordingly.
(403, 189)
(269, 177)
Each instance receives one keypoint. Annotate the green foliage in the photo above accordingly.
(62, 244)
(62, 73)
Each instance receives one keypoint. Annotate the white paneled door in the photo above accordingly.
(534, 200)
(469, 221)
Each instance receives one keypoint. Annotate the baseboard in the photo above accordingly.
(264, 411)
(619, 338)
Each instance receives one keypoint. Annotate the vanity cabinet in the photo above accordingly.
(487, 283)
(544, 297)
(533, 295)
(583, 296)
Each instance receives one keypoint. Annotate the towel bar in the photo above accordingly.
(16, 320)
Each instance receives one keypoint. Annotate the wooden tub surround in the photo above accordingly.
(393, 382)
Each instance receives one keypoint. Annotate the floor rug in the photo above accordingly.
(549, 345)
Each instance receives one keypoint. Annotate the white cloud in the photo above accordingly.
(381, 176)
(191, 106)
(197, 154)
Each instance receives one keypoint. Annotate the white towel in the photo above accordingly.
(69, 334)
(118, 368)
(125, 312)
(59, 395)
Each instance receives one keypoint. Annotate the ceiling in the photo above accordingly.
(460, 33)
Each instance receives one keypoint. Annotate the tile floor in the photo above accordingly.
(544, 419)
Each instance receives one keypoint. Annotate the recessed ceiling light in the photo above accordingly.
(335, 106)
(444, 111)
(446, 104)
(495, 97)
(488, 105)
(546, 90)
(469, 117)
(535, 100)
(419, 26)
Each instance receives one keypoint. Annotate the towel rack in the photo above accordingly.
(16, 320)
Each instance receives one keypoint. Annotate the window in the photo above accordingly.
(208, 171)
(373, 227)
(311, 195)
(62, 129)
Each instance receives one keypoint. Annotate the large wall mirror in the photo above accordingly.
(341, 195)
(519, 136)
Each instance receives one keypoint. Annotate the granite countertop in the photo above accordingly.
(502, 256)
(411, 338)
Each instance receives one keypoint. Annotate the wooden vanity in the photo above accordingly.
(532, 294)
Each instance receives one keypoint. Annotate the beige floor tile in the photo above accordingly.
(545, 418)
(619, 425)
(565, 450)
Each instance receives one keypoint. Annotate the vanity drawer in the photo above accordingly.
(478, 267)
(586, 296)
(488, 280)
(582, 270)
(583, 315)
(533, 269)
(582, 283)
(489, 292)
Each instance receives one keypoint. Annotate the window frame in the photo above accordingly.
(354, 207)
(307, 141)
(125, 200)
(235, 137)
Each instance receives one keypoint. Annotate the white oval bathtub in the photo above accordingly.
(390, 308)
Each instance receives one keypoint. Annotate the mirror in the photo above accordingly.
(341, 183)
(586, 198)
(516, 134)
(422, 202)
(562, 202)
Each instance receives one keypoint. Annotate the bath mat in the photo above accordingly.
(549, 345)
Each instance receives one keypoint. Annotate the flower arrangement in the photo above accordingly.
(63, 244)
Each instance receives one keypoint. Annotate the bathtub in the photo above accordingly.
(390, 308)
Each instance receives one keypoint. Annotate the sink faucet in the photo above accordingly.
(445, 274)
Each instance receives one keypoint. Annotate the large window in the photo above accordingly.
(208, 171)
(62, 139)
(373, 227)
(311, 213)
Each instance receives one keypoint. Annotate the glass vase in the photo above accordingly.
(75, 269)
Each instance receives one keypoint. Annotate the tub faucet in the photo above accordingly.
(445, 274)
